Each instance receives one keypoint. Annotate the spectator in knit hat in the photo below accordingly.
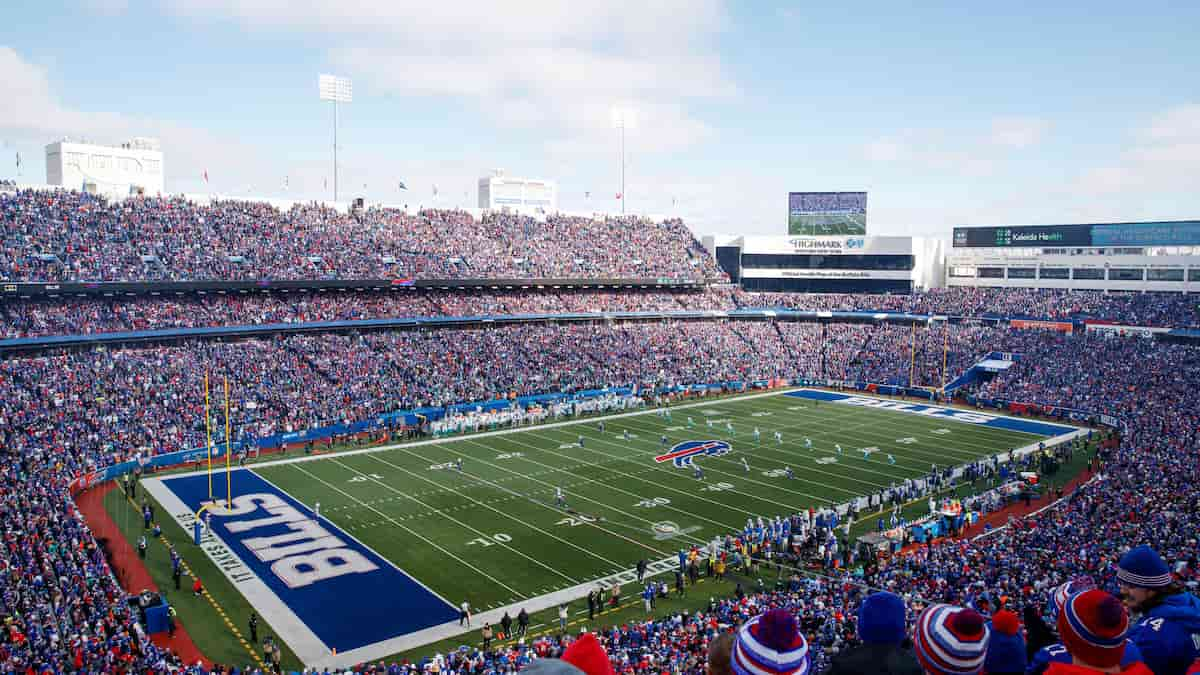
(1168, 633)
(1093, 626)
(588, 655)
(1006, 650)
(771, 644)
(1057, 652)
(951, 640)
(881, 629)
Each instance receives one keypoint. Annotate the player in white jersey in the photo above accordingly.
(757, 435)
(807, 442)
(779, 438)
(729, 428)
(838, 447)
(891, 460)
(746, 464)
(559, 498)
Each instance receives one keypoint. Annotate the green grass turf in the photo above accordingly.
(492, 535)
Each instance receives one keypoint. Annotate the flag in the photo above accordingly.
(206, 176)
(402, 186)
(18, 160)
(434, 190)
(325, 183)
(587, 195)
(672, 201)
(285, 182)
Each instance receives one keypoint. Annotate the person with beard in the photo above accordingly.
(1168, 633)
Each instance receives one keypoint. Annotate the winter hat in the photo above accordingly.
(1093, 625)
(1143, 568)
(1064, 591)
(1006, 649)
(587, 655)
(951, 640)
(771, 644)
(881, 618)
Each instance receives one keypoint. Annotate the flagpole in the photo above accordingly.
(208, 433)
(228, 451)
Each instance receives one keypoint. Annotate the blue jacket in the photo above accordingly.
(1169, 634)
(1057, 653)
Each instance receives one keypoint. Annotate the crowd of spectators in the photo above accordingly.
(72, 236)
(63, 414)
(1174, 310)
(72, 316)
(37, 318)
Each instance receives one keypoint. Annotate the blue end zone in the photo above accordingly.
(346, 609)
(967, 416)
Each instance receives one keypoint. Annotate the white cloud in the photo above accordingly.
(33, 115)
(1018, 132)
(558, 67)
(1179, 123)
(1163, 157)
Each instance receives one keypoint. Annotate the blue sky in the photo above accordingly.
(946, 113)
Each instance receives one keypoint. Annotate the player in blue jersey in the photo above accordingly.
(789, 472)
(697, 472)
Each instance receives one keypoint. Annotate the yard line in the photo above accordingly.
(742, 476)
(605, 504)
(791, 508)
(481, 533)
(871, 421)
(397, 524)
(506, 515)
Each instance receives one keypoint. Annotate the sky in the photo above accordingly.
(945, 113)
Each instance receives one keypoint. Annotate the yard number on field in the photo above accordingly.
(499, 537)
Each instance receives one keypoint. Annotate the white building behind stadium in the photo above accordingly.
(133, 168)
(498, 192)
(831, 264)
(1147, 256)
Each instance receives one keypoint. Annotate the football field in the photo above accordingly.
(493, 533)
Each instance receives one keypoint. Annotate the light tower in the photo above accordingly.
(623, 118)
(338, 90)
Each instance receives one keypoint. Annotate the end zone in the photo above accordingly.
(317, 586)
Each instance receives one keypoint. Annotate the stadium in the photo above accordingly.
(259, 434)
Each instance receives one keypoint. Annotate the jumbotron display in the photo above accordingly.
(827, 213)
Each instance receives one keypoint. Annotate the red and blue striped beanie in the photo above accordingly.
(951, 640)
(1092, 626)
(770, 644)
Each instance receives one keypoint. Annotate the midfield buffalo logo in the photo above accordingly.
(683, 454)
